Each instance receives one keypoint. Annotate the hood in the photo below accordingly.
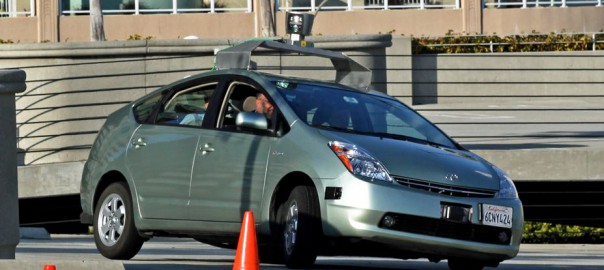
(425, 162)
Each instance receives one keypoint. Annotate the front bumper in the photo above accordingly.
(363, 205)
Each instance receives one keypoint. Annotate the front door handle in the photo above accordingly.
(138, 143)
(207, 148)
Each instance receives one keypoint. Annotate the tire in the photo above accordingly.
(301, 227)
(461, 264)
(115, 235)
(270, 254)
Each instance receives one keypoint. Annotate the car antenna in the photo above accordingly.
(319, 7)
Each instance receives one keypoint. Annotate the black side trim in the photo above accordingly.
(453, 230)
(85, 218)
(333, 193)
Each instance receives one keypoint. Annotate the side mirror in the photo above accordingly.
(251, 120)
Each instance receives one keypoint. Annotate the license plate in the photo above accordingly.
(498, 216)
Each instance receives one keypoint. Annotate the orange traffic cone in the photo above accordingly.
(50, 267)
(247, 248)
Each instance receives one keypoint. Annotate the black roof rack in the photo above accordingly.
(348, 71)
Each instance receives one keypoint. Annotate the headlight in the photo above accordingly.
(359, 162)
(507, 189)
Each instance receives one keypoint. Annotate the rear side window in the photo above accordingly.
(143, 110)
(188, 106)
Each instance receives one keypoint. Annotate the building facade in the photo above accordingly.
(27, 21)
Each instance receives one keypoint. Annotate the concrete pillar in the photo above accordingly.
(48, 20)
(472, 16)
(399, 69)
(11, 82)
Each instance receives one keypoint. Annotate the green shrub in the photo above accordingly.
(457, 43)
(538, 232)
(139, 37)
(8, 41)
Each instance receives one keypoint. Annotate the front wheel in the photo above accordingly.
(301, 223)
(115, 235)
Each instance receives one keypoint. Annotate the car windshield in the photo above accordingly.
(332, 108)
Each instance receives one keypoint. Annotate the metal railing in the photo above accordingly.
(138, 8)
(492, 45)
(10, 8)
(349, 5)
(540, 3)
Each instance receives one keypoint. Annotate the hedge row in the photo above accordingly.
(456, 43)
(538, 232)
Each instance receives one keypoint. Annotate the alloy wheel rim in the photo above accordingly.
(291, 227)
(111, 220)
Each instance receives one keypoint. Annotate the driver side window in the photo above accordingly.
(241, 98)
(250, 110)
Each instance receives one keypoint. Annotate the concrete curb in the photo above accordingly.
(61, 265)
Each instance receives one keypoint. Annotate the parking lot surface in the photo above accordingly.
(185, 254)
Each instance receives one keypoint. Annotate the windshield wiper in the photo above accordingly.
(406, 138)
(384, 135)
(390, 135)
(347, 130)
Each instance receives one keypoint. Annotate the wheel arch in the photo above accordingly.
(282, 190)
(106, 180)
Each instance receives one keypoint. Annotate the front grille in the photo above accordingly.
(444, 189)
(448, 229)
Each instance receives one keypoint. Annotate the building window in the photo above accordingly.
(75, 7)
(539, 3)
(17, 8)
(348, 5)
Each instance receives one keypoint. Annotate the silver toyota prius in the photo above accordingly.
(326, 168)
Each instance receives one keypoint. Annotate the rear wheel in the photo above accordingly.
(115, 235)
(301, 227)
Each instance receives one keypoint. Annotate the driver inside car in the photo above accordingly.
(264, 106)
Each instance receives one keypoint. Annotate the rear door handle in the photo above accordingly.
(206, 148)
(138, 143)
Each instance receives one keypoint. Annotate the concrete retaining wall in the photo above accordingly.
(511, 108)
(539, 116)
(507, 77)
(72, 87)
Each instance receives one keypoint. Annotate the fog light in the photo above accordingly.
(503, 237)
(388, 221)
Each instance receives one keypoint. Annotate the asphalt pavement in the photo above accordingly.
(74, 252)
